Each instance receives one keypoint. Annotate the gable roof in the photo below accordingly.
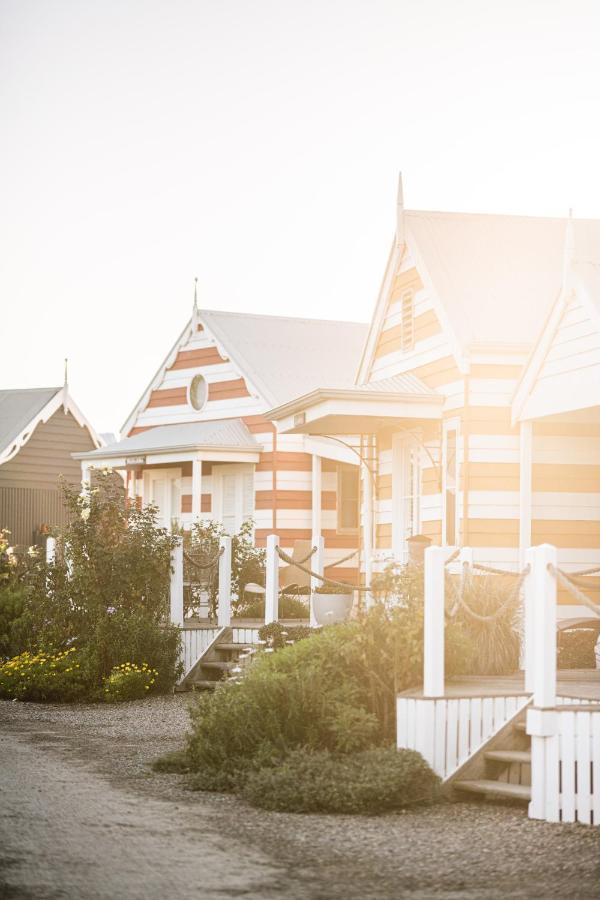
(495, 277)
(222, 434)
(285, 356)
(21, 410)
(280, 356)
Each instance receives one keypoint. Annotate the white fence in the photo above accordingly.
(194, 641)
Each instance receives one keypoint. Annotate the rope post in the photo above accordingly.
(318, 566)
(224, 600)
(176, 588)
(272, 580)
(50, 550)
(543, 625)
(433, 638)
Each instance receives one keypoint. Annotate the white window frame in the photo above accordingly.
(170, 474)
(406, 484)
(217, 472)
(451, 425)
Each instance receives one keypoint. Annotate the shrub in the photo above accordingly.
(494, 641)
(173, 763)
(372, 781)
(129, 682)
(277, 635)
(108, 589)
(49, 677)
(290, 607)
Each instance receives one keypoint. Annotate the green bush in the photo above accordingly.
(290, 607)
(129, 682)
(317, 781)
(277, 635)
(45, 677)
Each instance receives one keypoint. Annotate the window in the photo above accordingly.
(348, 481)
(198, 392)
(408, 321)
(450, 480)
(406, 492)
(233, 494)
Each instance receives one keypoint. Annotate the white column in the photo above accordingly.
(544, 625)
(368, 520)
(272, 580)
(85, 474)
(196, 489)
(224, 602)
(317, 564)
(525, 467)
(433, 630)
(50, 550)
(177, 585)
(316, 498)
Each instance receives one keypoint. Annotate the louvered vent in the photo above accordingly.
(408, 321)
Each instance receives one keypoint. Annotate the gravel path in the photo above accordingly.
(82, 817)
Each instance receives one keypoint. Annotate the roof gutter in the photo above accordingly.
(286, 409)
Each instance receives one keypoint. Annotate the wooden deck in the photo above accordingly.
(579, 683)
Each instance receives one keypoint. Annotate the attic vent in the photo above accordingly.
(408, 321)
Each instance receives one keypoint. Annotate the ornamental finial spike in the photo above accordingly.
(400, 214)
(195, 293)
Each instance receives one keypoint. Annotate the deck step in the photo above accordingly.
(509, 756)
(495, 789)
(520, 726)
(220, 664)
(232, 647)
(204, 685)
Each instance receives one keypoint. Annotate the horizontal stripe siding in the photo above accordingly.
(168, 397)
(442, 371)
(287, 536)
(341, 573)
(205, 503)
(426, 324)
(258, 424)
(226, 390)
(285, 461)
(190, 359)
(293, 499)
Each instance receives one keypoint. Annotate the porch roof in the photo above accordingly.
(363, 408)
(217, 435)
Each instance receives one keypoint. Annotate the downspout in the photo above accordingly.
(465, 466)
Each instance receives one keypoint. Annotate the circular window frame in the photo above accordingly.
(193, 388)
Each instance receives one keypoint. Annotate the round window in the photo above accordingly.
(198, 391)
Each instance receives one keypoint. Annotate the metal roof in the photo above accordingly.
(224, 434)
(287, 357)
(17, 409)
(407, 383)
(497, 276)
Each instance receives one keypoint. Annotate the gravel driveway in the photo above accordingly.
(82, 817)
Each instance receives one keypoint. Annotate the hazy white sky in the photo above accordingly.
(256, 144)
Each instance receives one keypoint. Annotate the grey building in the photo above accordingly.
(39, 430)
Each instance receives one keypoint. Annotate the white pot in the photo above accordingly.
(331, 608)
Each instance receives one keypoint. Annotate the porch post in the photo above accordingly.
(544, 631)
(85, 474)
(177, 584)
(272, 580)
(224, 601)
(196, 489)
(525, 466)
(368, 521)
(433, 630)
(50, 550)
(317, 564)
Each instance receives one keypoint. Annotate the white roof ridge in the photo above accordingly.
(229, 312)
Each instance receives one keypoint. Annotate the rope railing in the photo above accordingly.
(491, 571)
(452, 557)
(291, 562)
(207, 565)
(572, 588)
(461, 603)
(344, 559)
(308, 555)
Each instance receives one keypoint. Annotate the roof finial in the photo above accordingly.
(66, 385)
(568, 249)
(195, 293)
(400, 214)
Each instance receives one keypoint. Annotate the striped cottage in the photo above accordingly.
(477, 395)
(199, 444)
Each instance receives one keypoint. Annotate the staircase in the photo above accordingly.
(501, 770)
(219, 659)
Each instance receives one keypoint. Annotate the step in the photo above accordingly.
(520, 726)
(239, 647)
(222, 665)
(495, 789)
(509, 756)
(204, 685)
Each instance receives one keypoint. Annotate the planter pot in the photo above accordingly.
(331, 608)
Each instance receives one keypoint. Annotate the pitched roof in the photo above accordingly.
(496, 276)
(224, 434)
(18, 408)
(285, 357)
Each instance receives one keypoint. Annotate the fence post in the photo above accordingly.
(50, 550)
(272, 580)
(177, 584)
(224, 601)
(528, 648)
(433, 638)
(317, 564)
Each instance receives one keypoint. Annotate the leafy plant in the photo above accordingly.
(277, 635)
(329, 588)
(290, 607)
(49, 677)
(129, 682)
(318, 781)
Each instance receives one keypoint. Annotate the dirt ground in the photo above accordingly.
(83, 817)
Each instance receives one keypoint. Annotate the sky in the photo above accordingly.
(256, 144)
